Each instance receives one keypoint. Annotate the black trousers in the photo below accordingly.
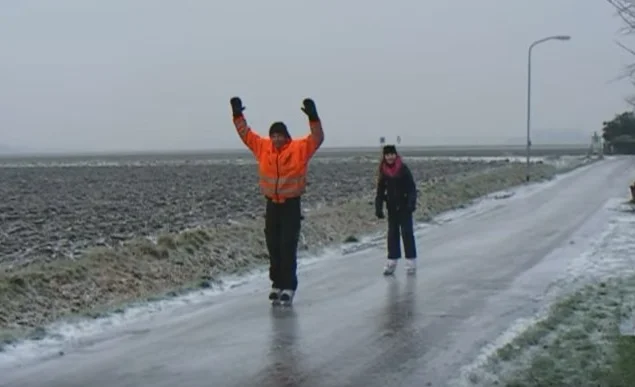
(282, 232)
(400, 226)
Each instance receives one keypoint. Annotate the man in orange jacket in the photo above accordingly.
(282, 166)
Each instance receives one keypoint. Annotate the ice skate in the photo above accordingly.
(389, 268)
(274, 296)
(286, 297)
(411, 266)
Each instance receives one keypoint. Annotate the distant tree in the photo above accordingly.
(619, 133)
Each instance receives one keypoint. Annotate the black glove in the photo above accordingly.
(237, 106)
(412, 204)
(310, 110)
(379, 211)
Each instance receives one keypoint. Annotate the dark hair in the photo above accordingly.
(390, 149)
(280, 128)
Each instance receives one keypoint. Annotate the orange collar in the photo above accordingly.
(278, 150)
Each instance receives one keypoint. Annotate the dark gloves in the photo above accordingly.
(412, 203)
(237, 106)
(379, 207)
(310, 110)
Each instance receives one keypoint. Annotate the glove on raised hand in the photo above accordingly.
(310, 110)
(237, 106)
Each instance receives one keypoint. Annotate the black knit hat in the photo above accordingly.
(390, 149)
(280, 128)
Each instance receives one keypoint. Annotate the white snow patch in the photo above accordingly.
(559, 161)
(103, 163)
(519, 193)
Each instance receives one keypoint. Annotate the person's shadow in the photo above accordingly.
(400, 307)
(399, 328)
(285, 357)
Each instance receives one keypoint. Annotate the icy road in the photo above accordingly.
(350, 326)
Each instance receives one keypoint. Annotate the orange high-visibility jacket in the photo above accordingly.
(282, 171)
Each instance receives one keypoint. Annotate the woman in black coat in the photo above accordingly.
(397, 188)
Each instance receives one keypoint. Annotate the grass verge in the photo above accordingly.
(578, 344)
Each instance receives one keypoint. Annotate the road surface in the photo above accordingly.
(350, 326)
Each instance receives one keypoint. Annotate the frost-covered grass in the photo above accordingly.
(586, 337)
(578, 344)
(623, 368)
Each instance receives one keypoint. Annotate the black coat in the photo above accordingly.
(399, 191)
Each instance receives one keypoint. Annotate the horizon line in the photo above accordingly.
(243, 150)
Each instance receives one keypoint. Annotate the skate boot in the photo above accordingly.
(390, 267)
(274, 296)
(411, 266)
(286, 297)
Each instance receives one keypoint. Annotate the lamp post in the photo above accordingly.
(537, 42)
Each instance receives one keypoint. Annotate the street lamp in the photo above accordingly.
(537, 42)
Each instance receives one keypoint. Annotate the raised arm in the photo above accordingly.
(314, 140)
(251, 139)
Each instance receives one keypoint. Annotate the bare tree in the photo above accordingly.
(626, 11)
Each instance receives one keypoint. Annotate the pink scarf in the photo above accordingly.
(391, 170)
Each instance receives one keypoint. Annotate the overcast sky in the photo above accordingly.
(86, 75)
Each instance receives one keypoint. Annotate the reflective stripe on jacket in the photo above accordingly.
(282, 172)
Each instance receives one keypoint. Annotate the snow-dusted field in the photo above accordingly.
(56, 209)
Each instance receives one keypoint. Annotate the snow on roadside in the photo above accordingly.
(578, 319)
